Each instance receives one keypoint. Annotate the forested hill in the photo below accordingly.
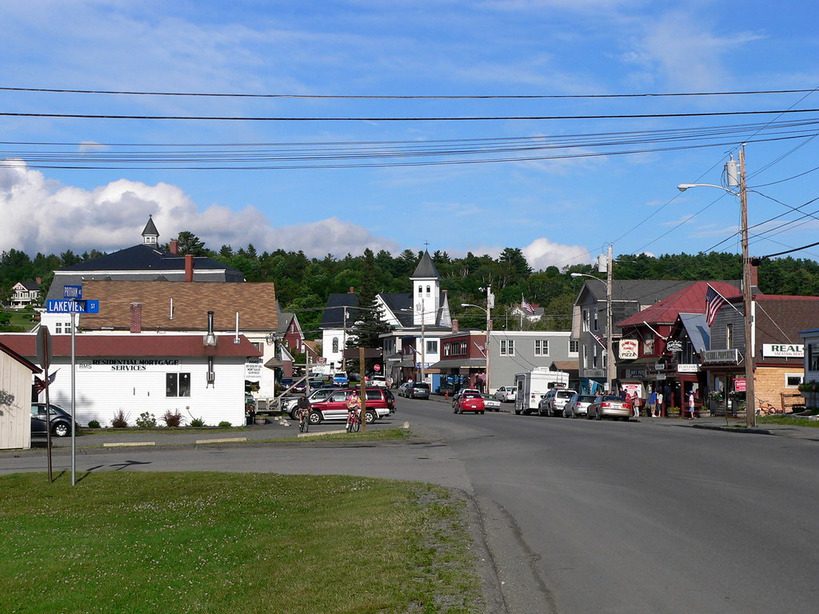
(303, 284)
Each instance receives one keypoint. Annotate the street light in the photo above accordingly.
(742, 194)
(490, 302)
(610, 368)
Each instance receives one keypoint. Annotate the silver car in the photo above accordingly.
(578, 405)
(506, 394)
(609, 405)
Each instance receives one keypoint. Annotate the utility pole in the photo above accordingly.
(362, 393)
(747, 298)
(611, 371)
(423, 339)
(490, 302)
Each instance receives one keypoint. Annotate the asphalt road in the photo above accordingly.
(581, 516)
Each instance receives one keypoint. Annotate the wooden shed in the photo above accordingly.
(15, 399)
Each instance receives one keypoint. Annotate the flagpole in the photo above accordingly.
(723, 298)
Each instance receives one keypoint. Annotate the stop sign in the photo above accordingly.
(376, 367)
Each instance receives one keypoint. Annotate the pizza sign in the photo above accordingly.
(628, 349)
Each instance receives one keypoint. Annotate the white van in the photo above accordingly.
(532, 385)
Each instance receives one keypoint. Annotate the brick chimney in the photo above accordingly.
(455, 326)
(188, 267)
(173, 247)
(351, 290)
(136, 317)
(753, 274)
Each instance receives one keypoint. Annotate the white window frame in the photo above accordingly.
(574, 346)
(799, 376)
(541, 347)
(507, 347)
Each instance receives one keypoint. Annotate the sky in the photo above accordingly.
(552, 168)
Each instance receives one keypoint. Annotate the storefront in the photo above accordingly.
(147, 373)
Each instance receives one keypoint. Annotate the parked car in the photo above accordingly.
(578, 405)
(61, 423)
(403, 389)
(506, 394)
(609, 405)
(470, 402)
(340, 378)
(289, 405)
(380, 403)
(553, 401)
(377, 381)
(490, 402)
(419, 390)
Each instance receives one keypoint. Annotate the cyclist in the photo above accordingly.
(353, 411)
(303, 413)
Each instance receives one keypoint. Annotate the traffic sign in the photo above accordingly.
(74, 292)
(44, 348)
(376, 367)
(62, 305)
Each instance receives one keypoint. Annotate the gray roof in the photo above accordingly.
(150, 228)
(426, 268)
(400, 303)
(643, 291)
(697, 330)
(333, 315)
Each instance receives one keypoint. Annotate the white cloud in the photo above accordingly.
(542, 253)
(44, 216)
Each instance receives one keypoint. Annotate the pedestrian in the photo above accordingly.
(691, 405)
(659, 404)
(635, 404)
(652, 403)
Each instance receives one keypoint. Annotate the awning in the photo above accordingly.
(567, 366)
(460, 363)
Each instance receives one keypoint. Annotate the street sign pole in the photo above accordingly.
(44, 358)
(73, 400)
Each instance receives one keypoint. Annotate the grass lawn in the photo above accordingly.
(238, 543)
(788, 421)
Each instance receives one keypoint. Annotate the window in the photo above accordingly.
(595, 320)
(585, 320)
(432, 346)
(585, 357)
(813, 356)
(335, 345)
(507, 347)
(574, 346)
(177, 384)
(648, 346)
(792, 380)
(541, 347)
(729, 336)
(594, 357)
(428, 292)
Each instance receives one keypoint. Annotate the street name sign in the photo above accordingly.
(62, 305)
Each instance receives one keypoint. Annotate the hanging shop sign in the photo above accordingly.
(783, 350)
(629, 349)
(674, 346)
(687, 368)
(720, 356)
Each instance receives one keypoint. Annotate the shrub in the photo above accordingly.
(93, 424)
(224, 424)
(172, 419)
(197, 422)
(146, 421)
(120, 421)
(811, 386)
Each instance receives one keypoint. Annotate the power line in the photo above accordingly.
(432, 118)
(51, 90)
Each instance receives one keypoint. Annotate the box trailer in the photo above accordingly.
(532, 385)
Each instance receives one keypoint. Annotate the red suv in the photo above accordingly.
(380, 403)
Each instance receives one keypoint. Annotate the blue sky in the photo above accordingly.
(558, 211)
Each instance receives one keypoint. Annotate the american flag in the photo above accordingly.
(40, 384)
(713, 302)
(526, 306)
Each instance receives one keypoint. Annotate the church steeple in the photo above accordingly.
(150, 235)
(426, 291)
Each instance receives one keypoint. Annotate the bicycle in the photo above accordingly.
(353, 420)
(304, 420)
(766, 409)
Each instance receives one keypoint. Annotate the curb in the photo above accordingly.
(731, 429)
(128, 444)
(221, 440)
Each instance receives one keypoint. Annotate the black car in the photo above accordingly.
(60, 420)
